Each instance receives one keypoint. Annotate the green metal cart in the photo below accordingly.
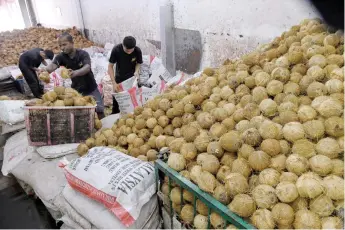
(209, 201)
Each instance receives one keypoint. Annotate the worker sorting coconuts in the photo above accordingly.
(78, 67)
(128, 59)
(29, 62)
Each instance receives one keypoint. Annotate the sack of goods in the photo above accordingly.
(120, 182)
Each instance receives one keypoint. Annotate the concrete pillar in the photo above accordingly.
(81, 24)
(25, 13)
(167, 34)
(31, 12)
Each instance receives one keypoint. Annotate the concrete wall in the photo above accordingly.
(106, 20)
(59, 14)
(112, 20)
(206, 32)
(231, 28)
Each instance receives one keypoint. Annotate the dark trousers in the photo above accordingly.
(32, 80)
(116, 108)
(99, 100)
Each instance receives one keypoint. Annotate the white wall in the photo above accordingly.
(221, 22)
(11, 17)
(228, 28)
(106, 20)
(112, 20)
(59, 14)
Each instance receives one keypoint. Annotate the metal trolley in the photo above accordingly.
(161, 168)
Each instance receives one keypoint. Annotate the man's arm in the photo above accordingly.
(137, 69)
(112, 77)
(82, 71)
(86, 60)
(50, 68)
(138, 65)
(111, 72)
(53, 65)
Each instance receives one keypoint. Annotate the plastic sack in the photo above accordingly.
(44, 177)
(147, 94)
(99, 66)
(93, 50)
(158, 69)
(69, 222)
(107, 87)
(180, 77)
(6, 128)
(145, 69)
(109, 121)
(128, 84)
(148, 218)
(12, 111)
(15, 150)
(198, 74)
(54, 151)
(4, 74)
(14, 71)
(127, 100)
(55, 80)
(122, 183)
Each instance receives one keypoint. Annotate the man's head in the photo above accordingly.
(129, 44)
(66, 43)
(47, 54)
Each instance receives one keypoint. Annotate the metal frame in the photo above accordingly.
(208, 200)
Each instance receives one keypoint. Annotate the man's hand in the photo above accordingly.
(73, 73)
(39, 71)
(116, 88)
(136, 74)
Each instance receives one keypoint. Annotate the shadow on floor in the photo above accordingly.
(17, 210)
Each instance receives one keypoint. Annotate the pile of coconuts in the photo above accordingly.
(13, 43)
(62, 96)
(263, 134)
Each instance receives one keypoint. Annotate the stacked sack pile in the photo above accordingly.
(12, 44)
(263, 134)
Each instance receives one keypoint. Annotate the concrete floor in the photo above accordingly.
(18, 210)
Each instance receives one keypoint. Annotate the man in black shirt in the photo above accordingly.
(128, 58)
(79, 62)
(29, 61)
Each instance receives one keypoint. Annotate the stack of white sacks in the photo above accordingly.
(38, 170)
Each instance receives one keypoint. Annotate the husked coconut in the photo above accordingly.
(240, 165)
(322, 205)
(269, 176)
(259, 160)
(283, 214)
(286, 191)
(288, 177)
(243, 205)
(328, 147)
(334, 186)
(231, 141)
(236, 183)
(309, 185)
(271, 147)
(263, 219)
(305, 219)
(264, 196)
(176, 161)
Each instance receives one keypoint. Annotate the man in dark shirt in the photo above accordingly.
(29, 61)
(79, 62)
(128, 58)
